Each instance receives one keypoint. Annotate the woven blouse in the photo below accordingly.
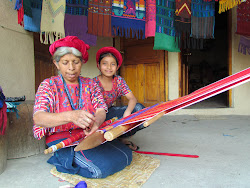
(51, 97)
(120, 88)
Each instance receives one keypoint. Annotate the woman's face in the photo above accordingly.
(70, 68)
(108, 66)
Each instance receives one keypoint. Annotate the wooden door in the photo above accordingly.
(144, 71)
(44, 68)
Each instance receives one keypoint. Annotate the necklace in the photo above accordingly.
(69, 97)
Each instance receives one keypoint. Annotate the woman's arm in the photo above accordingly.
(80, 118)
(131, 104)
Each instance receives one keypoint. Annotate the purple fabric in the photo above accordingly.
(244, 45)
(77, 25)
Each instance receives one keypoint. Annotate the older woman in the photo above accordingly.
(68, 104)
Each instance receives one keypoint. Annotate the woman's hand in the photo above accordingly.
(83, 119)
(100, 116)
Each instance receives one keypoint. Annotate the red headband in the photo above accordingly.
(111, 50)
(71, 41)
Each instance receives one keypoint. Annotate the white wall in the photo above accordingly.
(17, 76)
(241, 99)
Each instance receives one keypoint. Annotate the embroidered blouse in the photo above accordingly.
(120, 88)
(51, 97)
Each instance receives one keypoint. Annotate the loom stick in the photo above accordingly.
(117, 131)
(54, 148)
(153, 119)
(91, 141)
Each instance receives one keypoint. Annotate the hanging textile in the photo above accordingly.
(225, 5)
(243, 19)
(165, 31)
(76, 21)
(183, 23)
(20, 11)
(27, 8)
(32, 23)
(99, 17)
(128, 17)
(150, 23)
(52, 21)
(244, 45)
(202, 19)
(3, 113)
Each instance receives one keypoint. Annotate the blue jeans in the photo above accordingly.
(99, 162)
(118, 111)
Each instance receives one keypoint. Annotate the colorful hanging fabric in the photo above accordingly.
(99, 17)
(3, 113)
(150, 23)
(244, 45)
(20, 11)
(27, 8)
(243, 19)
(52, 21)
(165, 31)
(202, 19)
(128, 17)
(76, 21)
(183, 22)
(225, 5)
(33, 23)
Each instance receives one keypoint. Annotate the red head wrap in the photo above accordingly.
(71, 41)
(111, 50)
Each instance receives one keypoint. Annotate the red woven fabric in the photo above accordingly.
(20, 15)
(243, 18)
(3, 119)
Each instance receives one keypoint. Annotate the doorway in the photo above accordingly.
(199, 68)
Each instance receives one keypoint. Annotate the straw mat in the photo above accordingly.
(133, 176)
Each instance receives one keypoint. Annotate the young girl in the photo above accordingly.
(113, 86)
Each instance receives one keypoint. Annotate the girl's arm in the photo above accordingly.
(131, 104)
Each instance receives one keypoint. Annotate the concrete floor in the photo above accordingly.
(222, 143)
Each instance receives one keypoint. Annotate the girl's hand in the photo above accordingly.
(83, 119)
(126, 113)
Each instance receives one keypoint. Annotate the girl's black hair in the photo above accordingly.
(106, 55)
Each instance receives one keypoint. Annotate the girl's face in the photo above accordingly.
(108, 66)
(70, 68)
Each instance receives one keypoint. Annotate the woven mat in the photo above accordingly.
(133, 176)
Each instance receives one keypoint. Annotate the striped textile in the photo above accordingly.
(165, 31)
(99, 18)
(202, 19)
(76, 21)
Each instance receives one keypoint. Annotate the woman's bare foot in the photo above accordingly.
(130, 144)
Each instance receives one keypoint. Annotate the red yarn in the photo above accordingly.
(167, 154)
(3, 119)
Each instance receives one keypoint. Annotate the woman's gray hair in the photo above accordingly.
(60, 52)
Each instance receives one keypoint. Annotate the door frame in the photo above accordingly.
(183, 73)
